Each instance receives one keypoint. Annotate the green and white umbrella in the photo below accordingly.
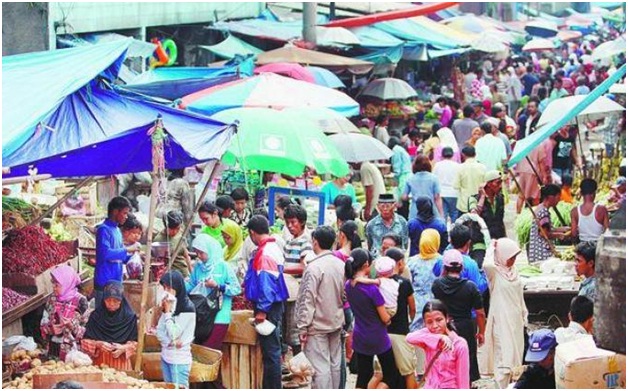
(270, 140)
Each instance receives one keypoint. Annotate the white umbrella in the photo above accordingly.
(599, 109)
(488, 43)
(618, 89)
(609, 49)
(538, 44)
(327, 120)
(357, 147)
(389, 88)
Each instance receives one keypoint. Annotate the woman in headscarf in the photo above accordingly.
(175, 330)
(63, 321)
(508, 315)
(212, 272)
(425, 219)
(447, 139)
(421, 268)
(111, 332)
(232, 234)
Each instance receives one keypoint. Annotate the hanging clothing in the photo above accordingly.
(504, 341)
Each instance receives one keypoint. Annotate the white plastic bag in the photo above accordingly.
(300, 366)
(27, 343)
(78, 358)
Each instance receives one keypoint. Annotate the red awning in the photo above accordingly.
(390, 15)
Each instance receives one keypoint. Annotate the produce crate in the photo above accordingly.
(242, 365)
(46, 381)
(10, 329)
(41, 284)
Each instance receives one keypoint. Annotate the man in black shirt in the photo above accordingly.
(461, 296)
(539, 374)
(400, 323)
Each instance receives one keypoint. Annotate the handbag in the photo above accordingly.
(207, 307)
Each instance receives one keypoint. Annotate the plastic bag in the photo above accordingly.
(134, 267)
(27, 343)
(78, 358)
(300, 366)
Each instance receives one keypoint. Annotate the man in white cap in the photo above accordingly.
(490, 150)
(495, 131)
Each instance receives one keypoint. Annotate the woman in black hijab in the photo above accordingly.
(174, 279)
(111, 331)
(425, 219)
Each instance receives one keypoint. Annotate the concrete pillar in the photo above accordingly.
(309, 22)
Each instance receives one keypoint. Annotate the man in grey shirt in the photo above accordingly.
(463, 128)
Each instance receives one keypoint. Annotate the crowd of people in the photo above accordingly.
(402, 294)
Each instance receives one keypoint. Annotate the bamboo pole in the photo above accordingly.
(536, 219)
(188, 224)
(147, 259)
(78, 186)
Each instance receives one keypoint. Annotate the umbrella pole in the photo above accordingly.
(583, 165)
(534, 216)
(157, 137)
(540, 181)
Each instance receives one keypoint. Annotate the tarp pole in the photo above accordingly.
(78, 186)
(540, 182)
(188, 224)
(149, 241)
(534, 216)
(583, 165)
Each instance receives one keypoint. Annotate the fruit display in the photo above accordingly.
(58, 232)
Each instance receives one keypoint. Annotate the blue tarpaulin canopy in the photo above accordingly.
(373, 37)
(34, 84)
(526, 145)
(414, 33)
(390, 55)
(98, 132)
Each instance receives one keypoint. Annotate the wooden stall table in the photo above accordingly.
(242, 365)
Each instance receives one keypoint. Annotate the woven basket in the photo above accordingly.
(205, 362)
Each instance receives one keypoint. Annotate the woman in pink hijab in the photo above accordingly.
(63, 322)
(508, 314)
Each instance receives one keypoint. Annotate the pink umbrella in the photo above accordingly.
(292, 70)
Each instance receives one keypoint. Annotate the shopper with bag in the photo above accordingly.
(215, 281)
(319, 310)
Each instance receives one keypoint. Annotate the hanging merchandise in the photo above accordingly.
(166, 53)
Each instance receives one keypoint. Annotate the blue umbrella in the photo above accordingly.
(542, 28)
(325, 77)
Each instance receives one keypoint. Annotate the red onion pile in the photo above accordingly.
(11, 299)
(30, 250)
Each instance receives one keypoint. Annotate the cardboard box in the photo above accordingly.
(580, 364)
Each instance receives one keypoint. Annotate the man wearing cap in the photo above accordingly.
(490, 150)
(489, 204)
(469, 179)
(388, 221)
(319, 310)
(540, 373)
(478, 112)
(496, 130)
(462, 296)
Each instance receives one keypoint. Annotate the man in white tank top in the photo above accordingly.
(589, 220)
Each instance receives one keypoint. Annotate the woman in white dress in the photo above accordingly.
(508, 314)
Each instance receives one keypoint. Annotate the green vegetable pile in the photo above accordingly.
(523, 222)
(58, 232)
(26, 210)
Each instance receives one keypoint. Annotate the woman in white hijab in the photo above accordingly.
(508, 315)
(446, 139)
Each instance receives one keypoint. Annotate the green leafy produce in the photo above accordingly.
(26, 210)
(524, 221)
(529, 271)
(58, 232)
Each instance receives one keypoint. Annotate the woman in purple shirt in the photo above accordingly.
(370, 336)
